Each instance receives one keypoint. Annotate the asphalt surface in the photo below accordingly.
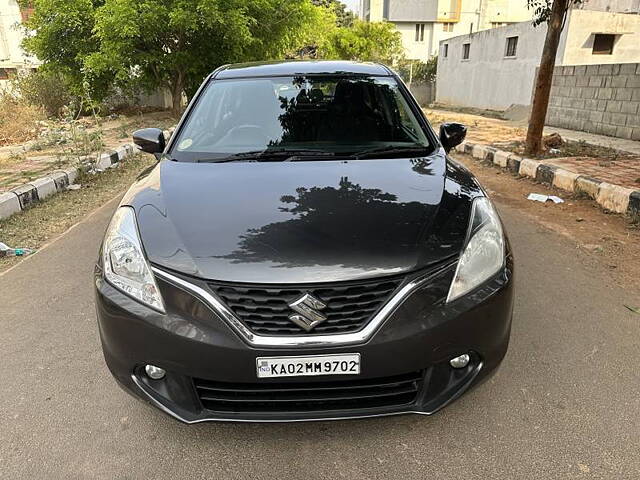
(565, 404)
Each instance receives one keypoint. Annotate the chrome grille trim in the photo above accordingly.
(219, 308)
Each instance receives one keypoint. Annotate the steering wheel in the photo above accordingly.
(243, 134)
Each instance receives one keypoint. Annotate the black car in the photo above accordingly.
(304, 249)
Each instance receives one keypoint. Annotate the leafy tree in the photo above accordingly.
(365, 41)
(63, 39)
(176, 43)
(553, 13)
(344, 17)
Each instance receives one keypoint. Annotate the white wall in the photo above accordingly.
(416, 50)
(577, 44)
(489, 79)
(11, 53)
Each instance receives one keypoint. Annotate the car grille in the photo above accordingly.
(396, 391)
(265, 309)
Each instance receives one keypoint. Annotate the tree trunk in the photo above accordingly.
(545, 75)
(177, 87)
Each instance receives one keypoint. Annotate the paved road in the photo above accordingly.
(565, 404)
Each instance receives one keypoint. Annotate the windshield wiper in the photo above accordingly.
(391, 149)
(265, 155)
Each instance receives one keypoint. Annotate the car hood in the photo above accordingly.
(303, 221)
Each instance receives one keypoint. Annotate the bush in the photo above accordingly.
(422, 71)
(19, 120)
(45, 89)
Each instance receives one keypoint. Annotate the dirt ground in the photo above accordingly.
(481, 129)
(19, 165)
(610, 239)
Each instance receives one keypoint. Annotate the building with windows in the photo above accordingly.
(12, 57)
(496, 68)
(424, 23)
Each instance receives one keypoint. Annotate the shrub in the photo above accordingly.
(422, 71)
(19, 120)
(46, 89)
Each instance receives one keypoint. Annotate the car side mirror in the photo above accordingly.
(150, 140)
(452, 135)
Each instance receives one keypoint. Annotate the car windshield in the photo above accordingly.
(310, 115)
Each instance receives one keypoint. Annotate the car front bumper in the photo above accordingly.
(409, 352)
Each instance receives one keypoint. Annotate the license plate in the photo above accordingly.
(307, 366)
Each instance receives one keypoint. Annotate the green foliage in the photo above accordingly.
(44, 88)
(176, 43)
(365, 41)
(422, 71)
(63, 38)
(94, 46)
(344, 17)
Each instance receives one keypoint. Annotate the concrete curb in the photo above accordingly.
(612, 197)
(22, 197)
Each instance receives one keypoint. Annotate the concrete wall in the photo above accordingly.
(425, 93)
(577, 44)
(602, 99)
(489, 79)
(623, 6)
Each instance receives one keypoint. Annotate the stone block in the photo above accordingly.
(479, 152)
(628, 68)
(629, 107)
(501, 158)
(633, 121)
(9, 204)
(565, 179)
(528, 167)
(619, 81)
(27, 194)
(595, 81)
(544, 173)
(624, 132)
(588, 92)
(633, 210)
(582, 81)
(623, 94)
(595, 116)
(60, 179)
(580, 70)
(633, 81)
(513, 163)
(591, 104)
(45, 187)
(605, 69)
(609, 130)
(614, 197)
(604, 93)
(592, 69)
(72, 174)
(587, 185)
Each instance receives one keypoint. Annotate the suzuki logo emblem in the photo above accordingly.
(308, 308)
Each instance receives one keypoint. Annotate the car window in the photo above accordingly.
(340, 114)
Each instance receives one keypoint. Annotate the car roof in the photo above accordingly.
(300, 67)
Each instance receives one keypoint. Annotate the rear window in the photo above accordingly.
(326, 113)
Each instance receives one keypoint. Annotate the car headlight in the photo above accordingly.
(483, 255)
(125, 265)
